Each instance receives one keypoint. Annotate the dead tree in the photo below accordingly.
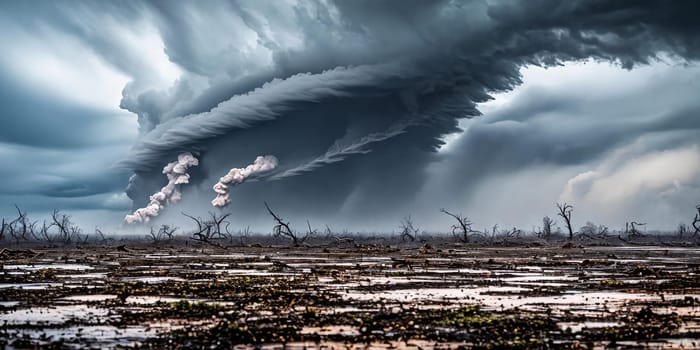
(682, 230)
(282, 229)
(547, 225)
(494, 232)
(45, 232)
(61, 222)
(513, 234)
(18, 228)
(593, 231)
(631, 229)
(338, 240)
(310, 232)
(60, 228)
(462, 229)
(203, 231)
(23, 223)
(219, 225)
(31, 228)
(2, 230)
(102, 236)
(565, 211)
(164, 232)
(209, 230)
(242, 235)
(67, 230)
(696, 222)
(153, 235)
(408, 231)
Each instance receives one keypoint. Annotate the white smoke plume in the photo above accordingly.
(170, 193)
(236, 176)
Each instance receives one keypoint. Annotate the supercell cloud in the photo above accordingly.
(357, 99)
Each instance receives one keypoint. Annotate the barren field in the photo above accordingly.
(359, 296)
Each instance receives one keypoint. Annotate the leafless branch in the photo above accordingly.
(696, 222)
(242, 235)
(565, 211)
(3, 228)
(408, 231)
(282, 229)
(631, 229)
(207, 230)
(462, 229)
(310, 232)
(593, 231)
(164, 232)
(67, 230)
(547, 226)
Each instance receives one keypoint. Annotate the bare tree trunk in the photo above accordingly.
(463, 228)
(632, 230)
(282, 229)
(565, 212)
(2, 230)
(547, 223)
(204, 231)
(408, 231)
(696, 222)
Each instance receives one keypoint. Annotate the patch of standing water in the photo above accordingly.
(73, 267)
(347, 330)
(152, 280)
(148, 300)
(101, 336)
(98, 275)
(90, 297)
(55, 315)
(430, 294)
(579, 326)
(29, 286)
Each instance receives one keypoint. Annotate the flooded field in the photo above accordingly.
(350, 297)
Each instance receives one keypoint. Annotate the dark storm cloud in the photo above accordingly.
(359, 69)
(551, 131)
(505, 146)
(355, 97)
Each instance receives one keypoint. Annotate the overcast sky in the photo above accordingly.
(374, 109)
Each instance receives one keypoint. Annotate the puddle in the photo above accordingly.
(90, 298)
(29, 285)
(55, 315)
(149, 300)
(578, 326)
(74, 267)
(102, 336)
(152, 280)
(538, 277)
(101, 275)
(347, 330)
(460, 295)
(258, 273)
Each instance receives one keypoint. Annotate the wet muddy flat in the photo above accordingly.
(453, 296)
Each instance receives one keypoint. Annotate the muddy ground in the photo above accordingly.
(354, 296)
